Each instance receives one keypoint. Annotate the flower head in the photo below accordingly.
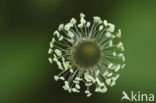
(87, 53)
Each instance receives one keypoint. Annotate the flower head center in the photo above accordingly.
(86, 54)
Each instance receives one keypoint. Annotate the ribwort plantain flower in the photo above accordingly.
(87, 53)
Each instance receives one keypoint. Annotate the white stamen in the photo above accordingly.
(100, 27)
(58, 52)
(50, 51)
(88, 84)
(117, 68)
(66, 65)
(89, 94)
(110, 43)
(88, 24)
(122, 66)
(56, 33)
(73, 21)
(55, 58)
(105, 73)
(68, 26)
(101, 90)
(109, 74)
(89, 77)
(59, 65)
(83, 21)
(87, 91)
(99, 82)
(75, 90)
(118, 35)
(78, 79)
(71, 70)
(105, 22)
(114, 53)
(120, 45)
(111, 27)
(61, 26)
(62, 78)
(50, 60)
(110, 65)
(108, 81)
(123, 58)
(70, 34)
(108, 34)
(61, 38)
(66, 86)
(82, 15)
(120, 55)
(52, 43)
(97, 20)
(56, 78)
(77, 86)
(80, 25)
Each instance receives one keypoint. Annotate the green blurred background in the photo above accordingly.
(26, 28)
